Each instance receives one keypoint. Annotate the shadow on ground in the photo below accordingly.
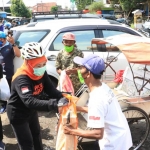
(7, 131)
(12, 147)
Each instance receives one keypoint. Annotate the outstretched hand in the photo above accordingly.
(71, 71)
(67, 129)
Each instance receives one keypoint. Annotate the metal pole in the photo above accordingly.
(3, 5)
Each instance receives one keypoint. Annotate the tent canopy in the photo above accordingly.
(135, 48)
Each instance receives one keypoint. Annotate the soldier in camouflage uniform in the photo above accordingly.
(64, 60)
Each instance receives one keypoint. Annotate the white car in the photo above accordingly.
(49, 34)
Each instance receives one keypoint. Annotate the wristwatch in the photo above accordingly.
(13, 45)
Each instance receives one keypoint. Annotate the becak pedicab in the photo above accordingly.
(136, 107)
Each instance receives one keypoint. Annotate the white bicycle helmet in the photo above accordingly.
(32, 50)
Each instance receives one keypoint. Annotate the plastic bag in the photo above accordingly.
(65, 83)
(119, 76)
(68, 116)
(4, 89)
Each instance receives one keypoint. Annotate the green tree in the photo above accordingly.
(129, 5)
(54, 9)
(81, 4)
(95, 6)
(19, 9)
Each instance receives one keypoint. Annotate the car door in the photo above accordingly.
(83, 35)
(115, 60)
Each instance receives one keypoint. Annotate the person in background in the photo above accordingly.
(32, 91)
(105, 116)
(64, 60)
(14, 23)
(2, 145)
(7, 26)
(8, 51)
(1, 25)
(1, 28)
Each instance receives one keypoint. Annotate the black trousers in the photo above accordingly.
(9, 82)
(1, 130)
(28, 134)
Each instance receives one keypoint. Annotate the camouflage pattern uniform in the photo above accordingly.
(65, 61)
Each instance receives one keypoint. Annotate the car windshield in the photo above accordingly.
(23, 37)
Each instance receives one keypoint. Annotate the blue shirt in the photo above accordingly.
(2, 27)
(8, 55)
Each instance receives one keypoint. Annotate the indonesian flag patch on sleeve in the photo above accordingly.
(24, 90)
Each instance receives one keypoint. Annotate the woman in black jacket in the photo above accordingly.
(31, 91)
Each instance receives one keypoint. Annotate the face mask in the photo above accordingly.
(39, 71)
(81, 79)
(69, 48)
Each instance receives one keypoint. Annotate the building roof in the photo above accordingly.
(6, 3)
(43, 7)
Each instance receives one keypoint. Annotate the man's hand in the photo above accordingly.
(67, 129)
(10, 39)
(71, 71)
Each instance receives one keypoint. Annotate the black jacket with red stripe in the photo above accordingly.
(26, 96)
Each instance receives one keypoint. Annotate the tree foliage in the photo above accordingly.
(81, 4)
(54, 8)
(19, 9)
(95, 6)
(129, 5)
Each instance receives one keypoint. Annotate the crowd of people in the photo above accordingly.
(32, 91)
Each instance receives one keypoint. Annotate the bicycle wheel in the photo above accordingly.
(139, 125)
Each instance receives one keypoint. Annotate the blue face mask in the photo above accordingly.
(39, 71)
(1, 43)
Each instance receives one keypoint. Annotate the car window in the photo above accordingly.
(83, 40)
(107, 33)
(30, 36)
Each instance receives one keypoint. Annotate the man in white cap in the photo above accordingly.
(105, 117)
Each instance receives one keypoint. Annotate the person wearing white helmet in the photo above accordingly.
(31, 91)
(64, 60)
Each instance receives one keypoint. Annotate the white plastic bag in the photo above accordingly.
(65, 83)
(4, 89)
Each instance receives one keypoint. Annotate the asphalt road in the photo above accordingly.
(48, 122)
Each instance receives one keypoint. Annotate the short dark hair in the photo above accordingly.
(97, 76)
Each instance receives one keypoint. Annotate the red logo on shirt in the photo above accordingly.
(38, 89)
(94, 118)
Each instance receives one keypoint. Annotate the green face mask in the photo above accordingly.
(69, 48)
(39, 71)
(80, 77)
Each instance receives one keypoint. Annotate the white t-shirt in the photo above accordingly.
(105, 112)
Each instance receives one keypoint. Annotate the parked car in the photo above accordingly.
(49, 34)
